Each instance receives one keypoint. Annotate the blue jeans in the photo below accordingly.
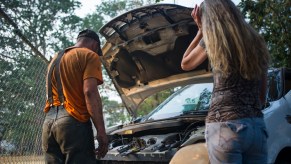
(66, 140)
(239, 141)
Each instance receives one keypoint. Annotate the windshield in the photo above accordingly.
(190, 99)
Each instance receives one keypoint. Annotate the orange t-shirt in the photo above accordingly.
(76, 65)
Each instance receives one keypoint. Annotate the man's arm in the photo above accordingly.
(94, 106)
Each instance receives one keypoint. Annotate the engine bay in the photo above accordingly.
(152, 145)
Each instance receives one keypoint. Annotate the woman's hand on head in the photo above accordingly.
(195, 15)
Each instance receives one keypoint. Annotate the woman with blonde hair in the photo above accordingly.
(235, 129)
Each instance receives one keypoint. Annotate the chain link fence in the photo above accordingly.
(22, 98)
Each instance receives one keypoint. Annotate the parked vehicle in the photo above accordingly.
(142, 55)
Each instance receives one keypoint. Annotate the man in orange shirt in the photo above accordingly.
(74, 99)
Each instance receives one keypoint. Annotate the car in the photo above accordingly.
(142, 56)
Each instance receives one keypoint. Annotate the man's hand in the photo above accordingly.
(195, 15)
(102, 146)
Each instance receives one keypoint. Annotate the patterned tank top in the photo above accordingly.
(233, 98)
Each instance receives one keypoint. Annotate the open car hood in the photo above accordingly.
(143, 51)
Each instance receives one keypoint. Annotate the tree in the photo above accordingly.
(272, 20)
(47, 25)
(204, 100)
(44, 19)
(114, 112)
(153, 101)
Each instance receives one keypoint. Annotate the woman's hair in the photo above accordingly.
(233, 46)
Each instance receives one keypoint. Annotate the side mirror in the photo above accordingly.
(138, 119)
(266, 105)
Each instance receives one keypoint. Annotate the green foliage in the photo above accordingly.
(40, 20)
(111, 8)
(272, 20)
(21, 102)
(114, 112)
(93, 21)
(48, 25)
(204, 100)
(153, 101)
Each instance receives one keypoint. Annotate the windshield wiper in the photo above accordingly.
(194, 112)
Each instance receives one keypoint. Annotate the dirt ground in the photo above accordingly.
(22, 160)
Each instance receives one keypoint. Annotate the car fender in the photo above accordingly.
(279, 130)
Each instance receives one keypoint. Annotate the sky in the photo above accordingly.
(88, 6)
